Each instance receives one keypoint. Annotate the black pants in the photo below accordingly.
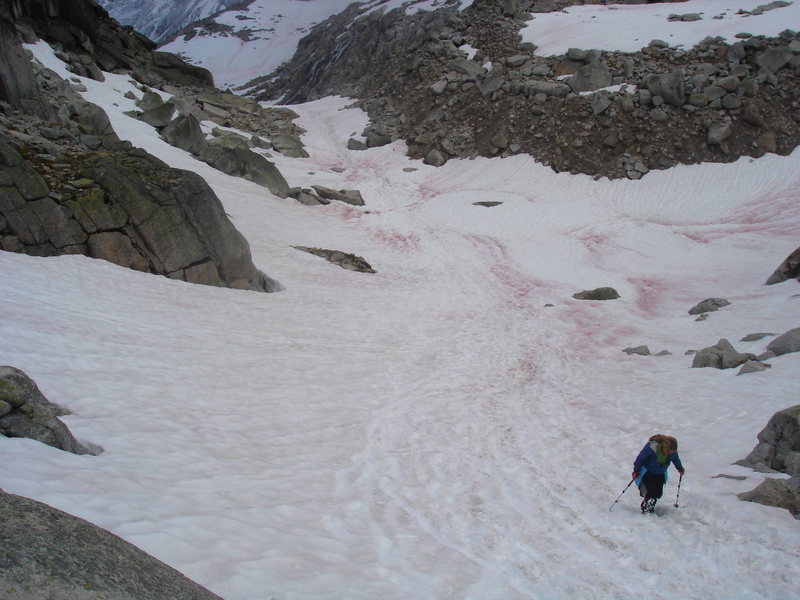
(652, 485)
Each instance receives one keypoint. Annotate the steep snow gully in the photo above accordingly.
(452, 426)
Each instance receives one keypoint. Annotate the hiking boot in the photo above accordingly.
(648, 505)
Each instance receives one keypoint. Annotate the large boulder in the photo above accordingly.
(721, 356)
(778, 444)
(184, 132)
(25, 412)
(669, 86)
(788, 269)
(786, 343)
(242, 162)
(176, 222)
(594, 76)
(47, 553)
(778, 449)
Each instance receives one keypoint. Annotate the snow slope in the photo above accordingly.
(433, 430)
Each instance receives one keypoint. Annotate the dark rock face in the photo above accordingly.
(778, 450)
(47, 553)
(17, 83)
(91, 41)
(128, 208)
(25, 412)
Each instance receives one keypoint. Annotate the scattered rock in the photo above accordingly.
(601, 293)
(708, 305)
(786, 343)
(307, 197)
(753, 366)
(669, 86)
(348, 196)
(348, 261)
(754, 337)
(590, 77)
(641, 350)
(434, 158)
(720, 356)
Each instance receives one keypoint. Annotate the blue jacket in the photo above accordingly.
(646, 461)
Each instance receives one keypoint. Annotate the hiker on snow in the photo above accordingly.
(650, 468)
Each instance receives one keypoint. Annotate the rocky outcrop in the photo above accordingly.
(618, 115)
(227, 151)
(26, 413)
(125, 207)
(778, 450)
(47, 553)
(789, 269)
(18, 85)
(91, 42)
(69, 186)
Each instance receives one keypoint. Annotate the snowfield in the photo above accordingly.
(434, 430)
(630, 27)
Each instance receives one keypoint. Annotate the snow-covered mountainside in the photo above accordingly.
(456, 80)
(253, 40)
(159, 19)
(453, 424)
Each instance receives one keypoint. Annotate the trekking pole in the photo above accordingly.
(610, 508)
(679, 491)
